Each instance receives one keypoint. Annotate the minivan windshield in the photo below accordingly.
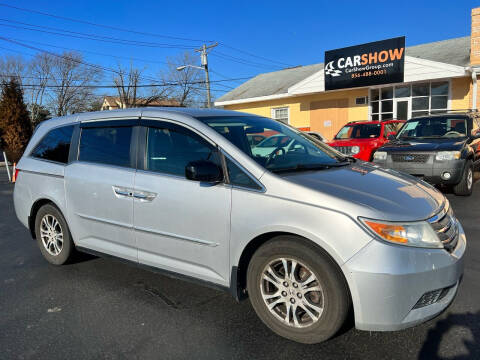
(359, 131)
(283, 148)
(434, 127)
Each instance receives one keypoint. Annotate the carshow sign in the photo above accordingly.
(375, 63)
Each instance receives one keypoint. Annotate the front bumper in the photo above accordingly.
(387, 281)
(430, 171)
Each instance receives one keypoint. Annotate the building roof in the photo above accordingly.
(453, 51)
(110, 100)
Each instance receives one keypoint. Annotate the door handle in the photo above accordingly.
(120, 191)
(144, 195)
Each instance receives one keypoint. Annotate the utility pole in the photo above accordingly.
(204, 50)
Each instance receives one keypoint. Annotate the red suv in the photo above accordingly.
(360, 139)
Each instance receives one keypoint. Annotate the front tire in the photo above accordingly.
(53, 235)
(465, 186)
(297, 290)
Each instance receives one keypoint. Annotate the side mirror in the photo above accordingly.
(203, 170)
(391, 135)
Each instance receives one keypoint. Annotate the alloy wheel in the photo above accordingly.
(292, 292)
(469, 178)
(51, 234)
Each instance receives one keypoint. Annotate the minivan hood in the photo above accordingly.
(364, 189)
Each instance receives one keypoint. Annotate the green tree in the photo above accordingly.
(15, 126)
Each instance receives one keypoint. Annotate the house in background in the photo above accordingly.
(113, 103)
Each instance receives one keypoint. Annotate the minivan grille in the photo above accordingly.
(408, 157)
(446, 228)
(346, 150)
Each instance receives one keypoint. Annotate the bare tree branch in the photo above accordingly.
(71, 78)
(188, 92)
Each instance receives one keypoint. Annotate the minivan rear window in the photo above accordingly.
(107, 145)
(55, 145)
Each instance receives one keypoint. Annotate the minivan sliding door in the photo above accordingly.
(99, 188)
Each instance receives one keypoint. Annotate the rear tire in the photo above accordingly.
(295, 306)
(53, 235)
(465, 186)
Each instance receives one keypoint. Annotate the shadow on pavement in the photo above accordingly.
(470, 321)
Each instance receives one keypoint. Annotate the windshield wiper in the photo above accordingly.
(311, 167)
(350, 159)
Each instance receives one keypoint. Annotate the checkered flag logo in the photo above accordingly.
(330, 70)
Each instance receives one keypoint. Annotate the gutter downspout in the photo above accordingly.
(474, 90)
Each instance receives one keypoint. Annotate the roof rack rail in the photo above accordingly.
(451, 111)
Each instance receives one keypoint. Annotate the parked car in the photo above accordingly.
(316, 135)
(268, 145)
(360, 139)
(306, 233)
(442, 149)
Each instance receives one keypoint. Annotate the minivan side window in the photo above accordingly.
(169, 151)
(106, 145)
(55, 145)
(238, 177)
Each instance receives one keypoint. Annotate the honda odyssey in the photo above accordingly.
(307, 233)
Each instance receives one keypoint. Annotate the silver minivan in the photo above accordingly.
(308, 234)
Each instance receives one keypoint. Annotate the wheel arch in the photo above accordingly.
(238, 279)
(34, 210)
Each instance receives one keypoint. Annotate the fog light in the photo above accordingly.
(446, 175)
(432, 297)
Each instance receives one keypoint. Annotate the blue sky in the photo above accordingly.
(283, 32)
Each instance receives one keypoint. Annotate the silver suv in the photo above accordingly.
(305, 232)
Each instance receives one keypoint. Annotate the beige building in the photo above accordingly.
(437, 76)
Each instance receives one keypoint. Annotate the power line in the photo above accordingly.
(253, 55)
(108, 86)
(101, 25)
(226, 77)
(80, 35)
(111, 70)
(246, 61)
(94, 52)
(98, 67)
(75, 60)
(240, 61)
(35, 86)
(144, 33)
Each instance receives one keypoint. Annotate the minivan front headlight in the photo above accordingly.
(380, 155)
(418, 234)
(447, 155)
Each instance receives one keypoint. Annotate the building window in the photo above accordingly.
(281, 114)
(361, 100)
(422, 99)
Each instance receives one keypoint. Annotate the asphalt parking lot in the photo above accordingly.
(99, 308)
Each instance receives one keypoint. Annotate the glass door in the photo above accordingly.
(402, 109)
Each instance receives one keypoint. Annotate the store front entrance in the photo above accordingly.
(402, 108)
